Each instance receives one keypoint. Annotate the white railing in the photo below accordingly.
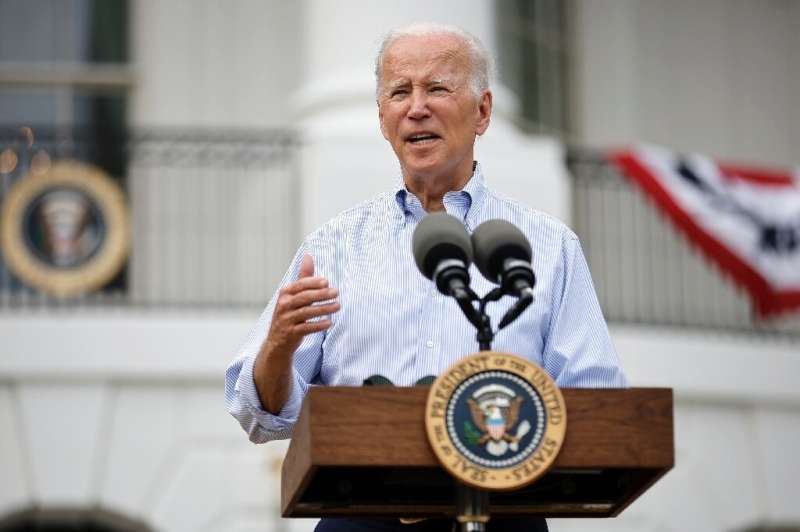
(214, 219)
(644, 270)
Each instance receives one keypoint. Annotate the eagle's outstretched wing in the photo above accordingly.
(478, 416)
(513, 412)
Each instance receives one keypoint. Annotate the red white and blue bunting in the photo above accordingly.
(746, 220)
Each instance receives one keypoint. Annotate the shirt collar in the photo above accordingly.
(464, 204)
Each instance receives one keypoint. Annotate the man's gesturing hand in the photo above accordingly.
(297, 303)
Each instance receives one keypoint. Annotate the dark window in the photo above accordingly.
(64, 83)
(532, 60)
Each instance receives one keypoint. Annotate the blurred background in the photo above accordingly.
(234, 128)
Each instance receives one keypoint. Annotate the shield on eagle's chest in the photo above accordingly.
(496, 427)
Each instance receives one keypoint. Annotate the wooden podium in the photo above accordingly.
(364, 452)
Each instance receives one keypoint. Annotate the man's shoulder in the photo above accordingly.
(533, 222)
(374, 210)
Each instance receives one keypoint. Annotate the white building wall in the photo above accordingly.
(215, 64)
(125, 412)
(717, 76)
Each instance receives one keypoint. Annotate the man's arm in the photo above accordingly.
(578, 349)
(276, 362)
(297, 303)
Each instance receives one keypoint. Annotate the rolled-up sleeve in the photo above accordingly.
(578, 348)
(241, 395)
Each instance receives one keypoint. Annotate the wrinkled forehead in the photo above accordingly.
(426, 58)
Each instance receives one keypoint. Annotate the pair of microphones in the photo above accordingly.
(443, 251)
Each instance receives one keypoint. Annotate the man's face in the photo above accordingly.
(428, 112)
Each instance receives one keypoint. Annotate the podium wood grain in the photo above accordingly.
(362, 433)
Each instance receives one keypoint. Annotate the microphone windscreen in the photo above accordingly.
(440, 236)
(493, 242)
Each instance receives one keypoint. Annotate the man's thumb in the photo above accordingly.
(306, 266)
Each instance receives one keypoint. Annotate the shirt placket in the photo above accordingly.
(430, 345)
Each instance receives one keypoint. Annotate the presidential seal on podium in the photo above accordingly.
(495, 421)
(65, 231)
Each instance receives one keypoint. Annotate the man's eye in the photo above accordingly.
(438, 88)
(398, 92)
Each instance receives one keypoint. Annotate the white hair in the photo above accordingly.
(479, 59)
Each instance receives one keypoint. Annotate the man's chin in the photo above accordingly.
(428, 163)
(434, 168)
(424, 171)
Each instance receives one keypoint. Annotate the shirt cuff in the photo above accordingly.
(272, 426)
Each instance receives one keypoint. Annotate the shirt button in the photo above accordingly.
(429, 344)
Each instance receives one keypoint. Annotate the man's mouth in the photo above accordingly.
(422, 138)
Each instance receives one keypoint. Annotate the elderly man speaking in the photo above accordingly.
(353, 303)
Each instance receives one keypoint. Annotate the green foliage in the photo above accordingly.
(471, 434)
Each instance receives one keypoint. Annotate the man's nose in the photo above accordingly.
(419, 105)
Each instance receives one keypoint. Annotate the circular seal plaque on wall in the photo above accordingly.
(495, 421)
(65, 231)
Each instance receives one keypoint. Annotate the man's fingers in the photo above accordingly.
(288, 303)
(306, 267)
(312, 311)
(306, 283)
(308, 297)
(312, 327)
(302, 300)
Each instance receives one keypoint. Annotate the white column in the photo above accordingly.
(203, 63)
(345, 158)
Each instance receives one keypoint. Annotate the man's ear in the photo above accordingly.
(484, 112)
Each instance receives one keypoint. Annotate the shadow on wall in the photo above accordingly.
(70, 520)
(764, 527)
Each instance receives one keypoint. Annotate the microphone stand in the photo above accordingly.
(472, 504)
(485, 334)
(481, 320)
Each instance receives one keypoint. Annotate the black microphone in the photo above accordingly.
(443, 252)
(503, 256)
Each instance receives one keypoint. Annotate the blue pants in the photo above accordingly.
(429, 525)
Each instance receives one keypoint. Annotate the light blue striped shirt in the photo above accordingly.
(394, 322)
